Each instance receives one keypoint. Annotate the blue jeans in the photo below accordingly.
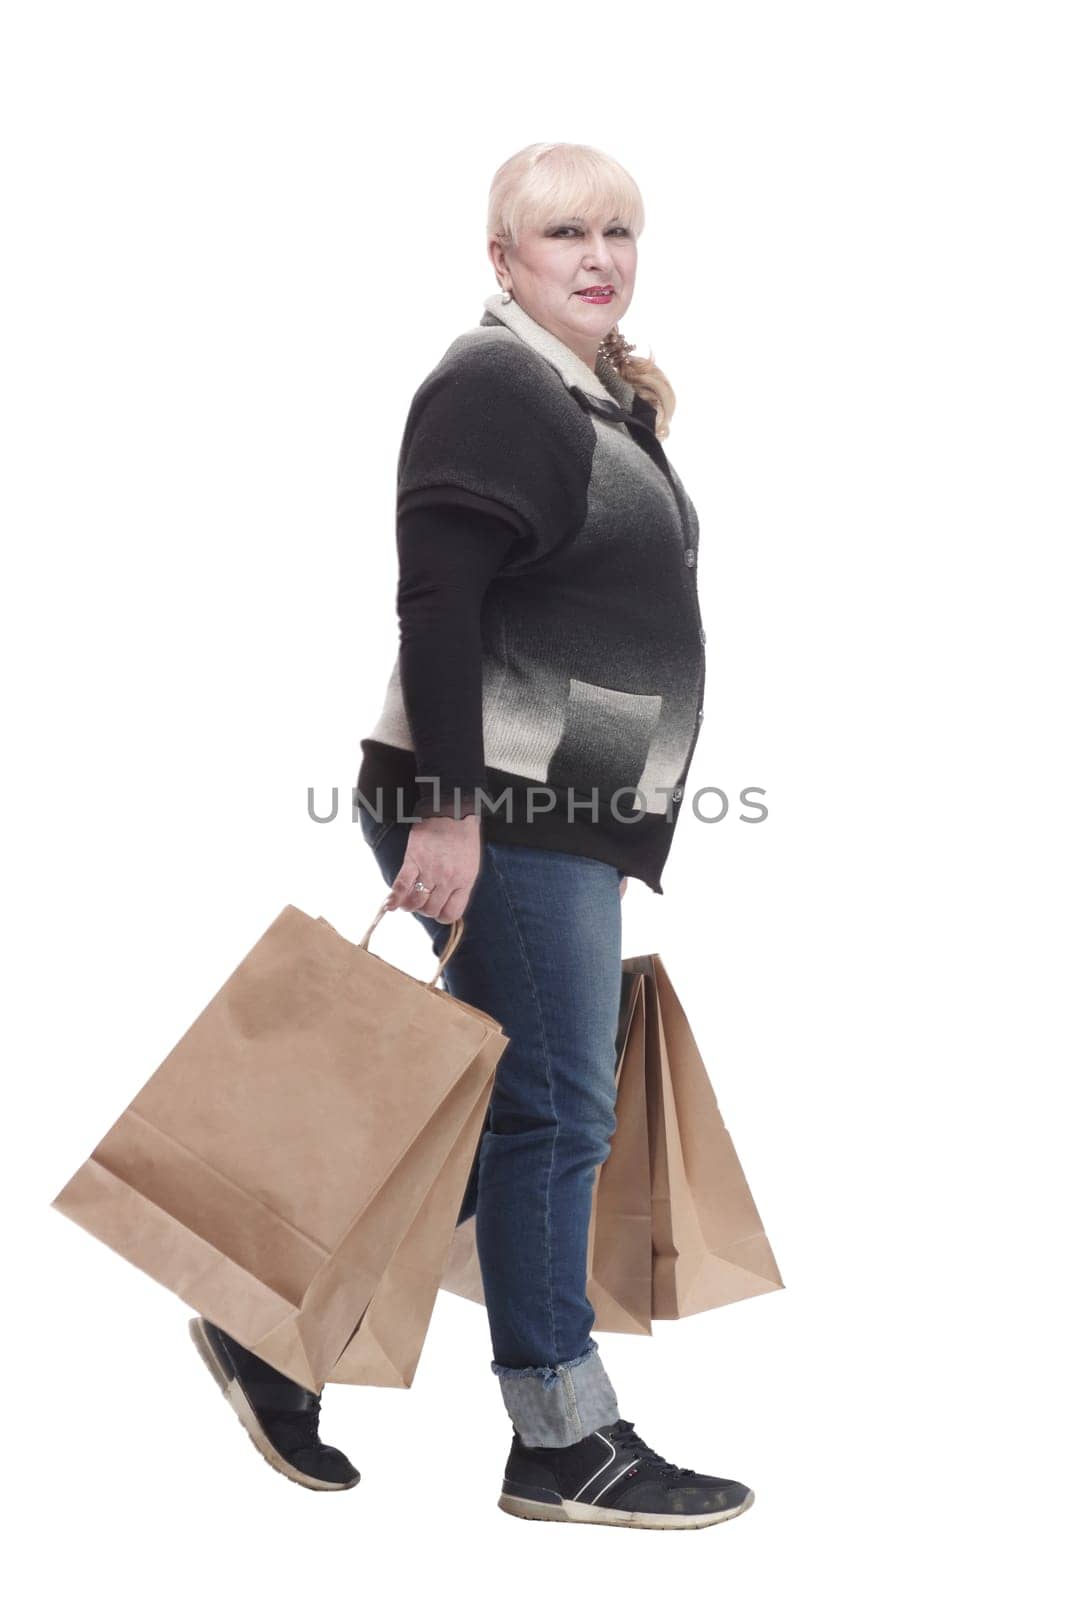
(542, 953)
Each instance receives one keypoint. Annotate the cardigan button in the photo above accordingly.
(677, 793)
(700, 714)
(703, 637)
(690, 558)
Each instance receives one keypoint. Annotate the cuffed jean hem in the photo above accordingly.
(556, 1406)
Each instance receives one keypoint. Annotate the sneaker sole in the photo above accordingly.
(609, 1516)
(241, 1404)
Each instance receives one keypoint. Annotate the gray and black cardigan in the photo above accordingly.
(551, 653)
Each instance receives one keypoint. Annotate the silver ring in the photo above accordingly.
(421, 887)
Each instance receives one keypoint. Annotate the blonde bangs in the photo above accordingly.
(547, 183)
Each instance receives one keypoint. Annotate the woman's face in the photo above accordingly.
(548, 267)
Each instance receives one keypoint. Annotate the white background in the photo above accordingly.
(238, 236)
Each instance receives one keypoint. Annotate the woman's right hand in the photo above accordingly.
(445, 854)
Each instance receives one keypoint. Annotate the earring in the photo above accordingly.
(506, 296)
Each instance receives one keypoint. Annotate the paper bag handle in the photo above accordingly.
(450, 948)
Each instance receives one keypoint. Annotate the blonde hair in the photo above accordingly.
(544, 181)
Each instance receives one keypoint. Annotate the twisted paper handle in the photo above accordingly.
(450, 948)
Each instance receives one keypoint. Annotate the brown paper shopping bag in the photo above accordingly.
(674, 1228)
(709, 1247)
(294, 1168)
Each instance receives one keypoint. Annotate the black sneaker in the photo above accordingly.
(280, 1417)
(612, 1476)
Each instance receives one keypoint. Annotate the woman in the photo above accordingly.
(535, 738)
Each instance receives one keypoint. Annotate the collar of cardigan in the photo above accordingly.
(605, 382)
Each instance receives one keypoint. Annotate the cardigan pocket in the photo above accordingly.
(606, 737)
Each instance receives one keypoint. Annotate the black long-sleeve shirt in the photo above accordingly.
(448, 556)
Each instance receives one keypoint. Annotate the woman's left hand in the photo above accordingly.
(622, 887)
